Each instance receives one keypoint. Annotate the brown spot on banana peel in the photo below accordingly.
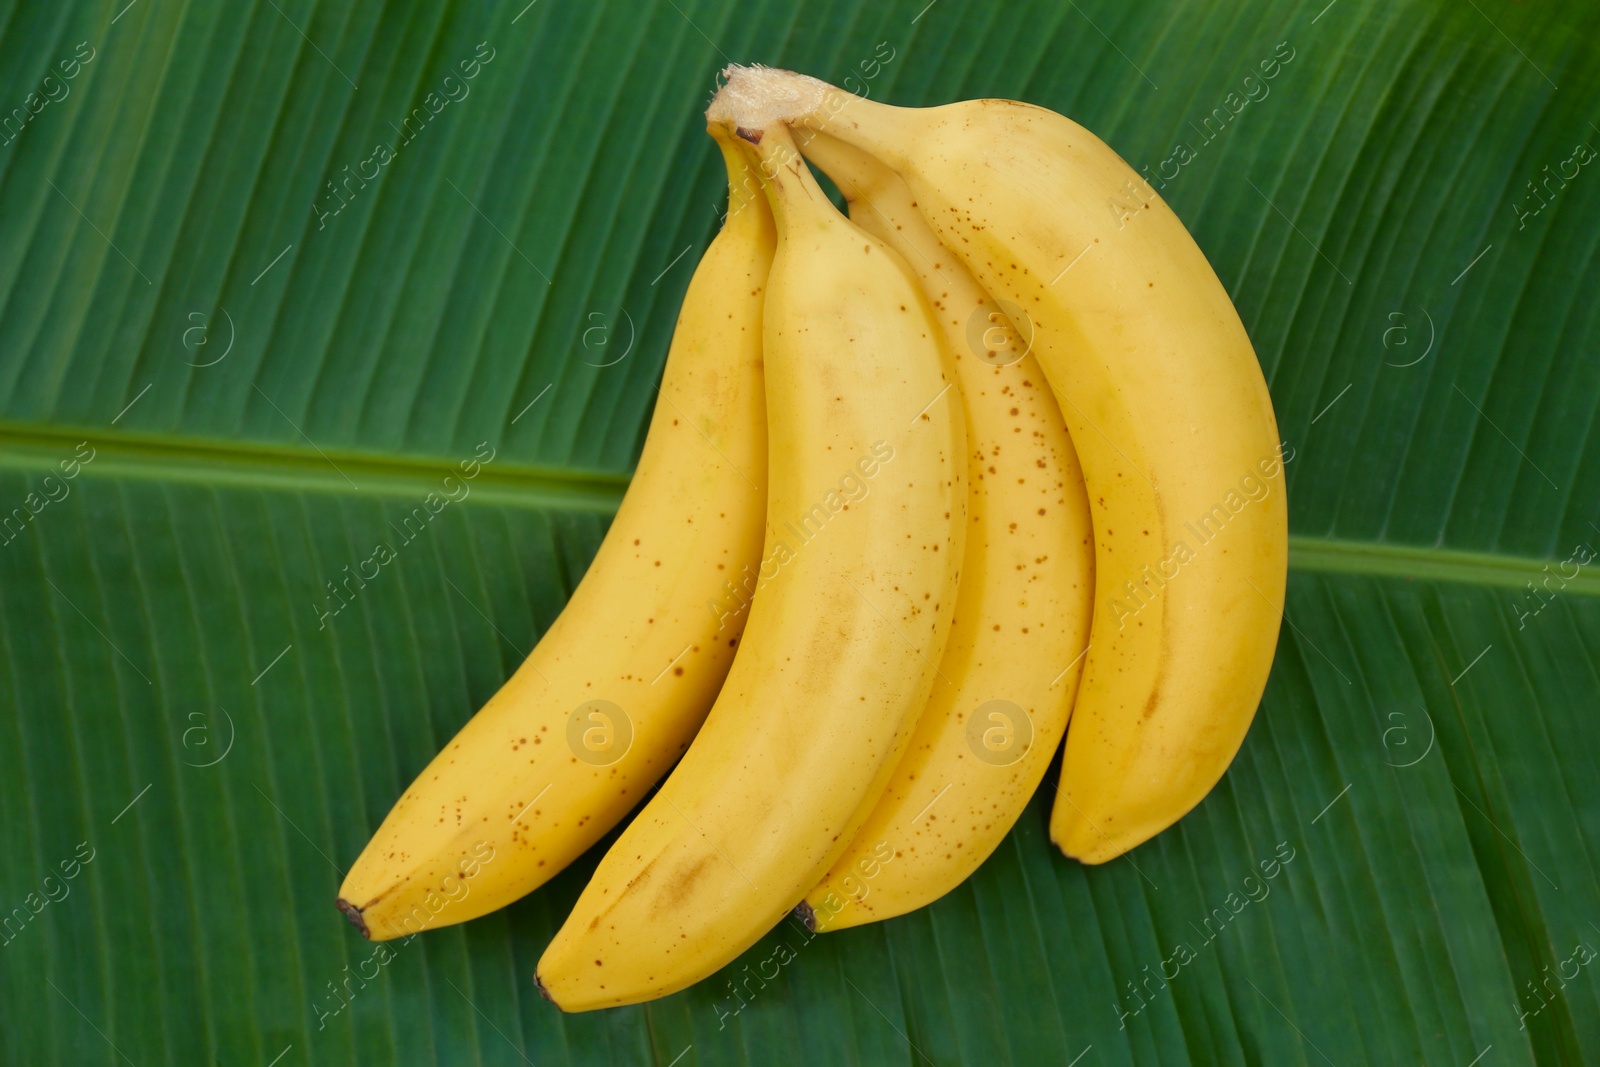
(1164, 645)
(633, 885)
(1163, 651)
(675, 893)
(1155, 698)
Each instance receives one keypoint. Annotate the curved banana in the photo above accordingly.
(618, 685)
(1022, 610)
(1168, 412)
(864, 536)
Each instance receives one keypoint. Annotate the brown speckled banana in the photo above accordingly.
(1010, 670)
(1168, 411)
(616, 688)
(864, 538)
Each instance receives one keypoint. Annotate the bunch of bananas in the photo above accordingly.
(922, 483)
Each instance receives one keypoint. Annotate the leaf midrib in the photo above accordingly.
(263, 465)
(259, 465)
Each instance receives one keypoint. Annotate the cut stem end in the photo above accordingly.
(753, 98)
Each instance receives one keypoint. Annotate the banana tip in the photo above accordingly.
(1089, 857)
(353, 913)
(807, 915)
(543, 992)
(1061, 847)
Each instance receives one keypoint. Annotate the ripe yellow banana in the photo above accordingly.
(1023, 608)
(1167, 409)
(617, 687)
(864, 537)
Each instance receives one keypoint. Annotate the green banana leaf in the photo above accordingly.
(240, 343)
